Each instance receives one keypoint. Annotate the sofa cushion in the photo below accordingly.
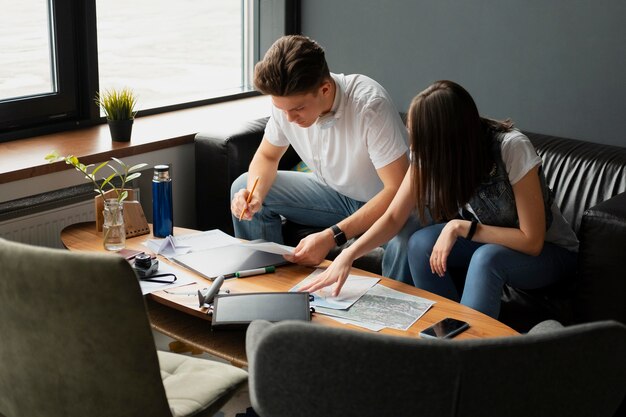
(581, 174)
(601, 290)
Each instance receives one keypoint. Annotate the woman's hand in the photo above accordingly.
(446, 240)
(337, 273)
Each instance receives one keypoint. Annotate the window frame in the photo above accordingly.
(41, 108)
(75, 42)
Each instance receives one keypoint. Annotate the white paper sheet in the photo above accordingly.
(270, 247)
(206, 240)
(180, 245)
(182, 278)
(353, 289)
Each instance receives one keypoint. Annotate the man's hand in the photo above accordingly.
(313, 249)
(239, 204)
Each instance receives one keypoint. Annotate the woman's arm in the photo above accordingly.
(530, 236)
(313, 248)
(386, 227)
(528, 239)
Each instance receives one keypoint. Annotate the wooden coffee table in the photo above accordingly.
(176, 313)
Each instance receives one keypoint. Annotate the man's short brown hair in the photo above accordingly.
(293, 65)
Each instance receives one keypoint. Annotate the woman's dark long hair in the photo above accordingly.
(451, 148)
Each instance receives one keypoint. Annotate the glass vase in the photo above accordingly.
(113, 231)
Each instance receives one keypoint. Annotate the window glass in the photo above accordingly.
(171, 52)
(25, 56)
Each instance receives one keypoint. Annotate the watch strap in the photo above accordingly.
(338, 235)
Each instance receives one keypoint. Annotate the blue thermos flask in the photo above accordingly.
(162, 210)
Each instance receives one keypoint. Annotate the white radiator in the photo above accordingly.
(44, 228)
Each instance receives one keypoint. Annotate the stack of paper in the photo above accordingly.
(214, 253)
(179, 245)
(375, 306)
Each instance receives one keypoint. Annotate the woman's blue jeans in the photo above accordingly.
(489, 267)
(303, 199)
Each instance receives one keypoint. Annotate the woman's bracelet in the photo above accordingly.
(472, 230)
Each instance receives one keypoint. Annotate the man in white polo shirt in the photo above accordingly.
(348, 132)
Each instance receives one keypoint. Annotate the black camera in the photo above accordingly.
(145, 266)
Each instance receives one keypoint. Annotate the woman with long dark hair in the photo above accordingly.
(480, 182)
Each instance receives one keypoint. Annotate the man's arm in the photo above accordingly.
(313, 249)
(264, 165)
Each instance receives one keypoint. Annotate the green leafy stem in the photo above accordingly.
(124, 172)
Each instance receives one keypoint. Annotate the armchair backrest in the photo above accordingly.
(309, 370)
(74, 337)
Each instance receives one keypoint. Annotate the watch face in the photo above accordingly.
(339, 235)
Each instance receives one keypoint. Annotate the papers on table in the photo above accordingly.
(226, 260)
(354, 287)
(213, 253)
(182, 278)
(383, 306)
(365, 304)
(179, 245)
(270, 247)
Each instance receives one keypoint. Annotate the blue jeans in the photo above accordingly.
(302, 198)
(489, 267)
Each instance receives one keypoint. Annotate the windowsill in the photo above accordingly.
(24, 158)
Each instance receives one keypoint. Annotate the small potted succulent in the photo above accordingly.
(119, 109)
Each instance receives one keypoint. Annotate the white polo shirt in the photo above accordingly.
(344, 150)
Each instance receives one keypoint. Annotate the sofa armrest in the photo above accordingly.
(602, 283)
(223, 154)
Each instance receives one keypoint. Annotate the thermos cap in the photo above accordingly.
(161, 173)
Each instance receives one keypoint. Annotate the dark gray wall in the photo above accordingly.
(554, 66)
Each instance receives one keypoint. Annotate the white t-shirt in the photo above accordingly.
(364, 134)
(519, 157)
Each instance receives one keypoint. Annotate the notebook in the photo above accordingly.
(226, 260)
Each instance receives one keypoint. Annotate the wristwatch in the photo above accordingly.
(338, 235)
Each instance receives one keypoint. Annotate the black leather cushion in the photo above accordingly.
(222, 154)
(601, 262)
(581, 174)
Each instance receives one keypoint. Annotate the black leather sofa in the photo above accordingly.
(589, 181)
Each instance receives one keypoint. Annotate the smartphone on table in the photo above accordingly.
(444, 329)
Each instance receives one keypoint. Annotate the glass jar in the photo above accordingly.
(113, 231)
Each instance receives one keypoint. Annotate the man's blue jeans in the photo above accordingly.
(489, 267)
(302, 198)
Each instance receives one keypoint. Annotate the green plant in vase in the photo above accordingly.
(119, 109)
(114, 234)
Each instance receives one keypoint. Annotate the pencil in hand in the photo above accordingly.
(256, 181)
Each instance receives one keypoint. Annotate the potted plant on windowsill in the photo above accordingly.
(119, 108)
(110, 214)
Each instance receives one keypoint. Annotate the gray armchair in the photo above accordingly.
(309, 371)
(75, 341)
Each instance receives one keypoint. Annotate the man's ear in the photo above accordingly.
(325, 88)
